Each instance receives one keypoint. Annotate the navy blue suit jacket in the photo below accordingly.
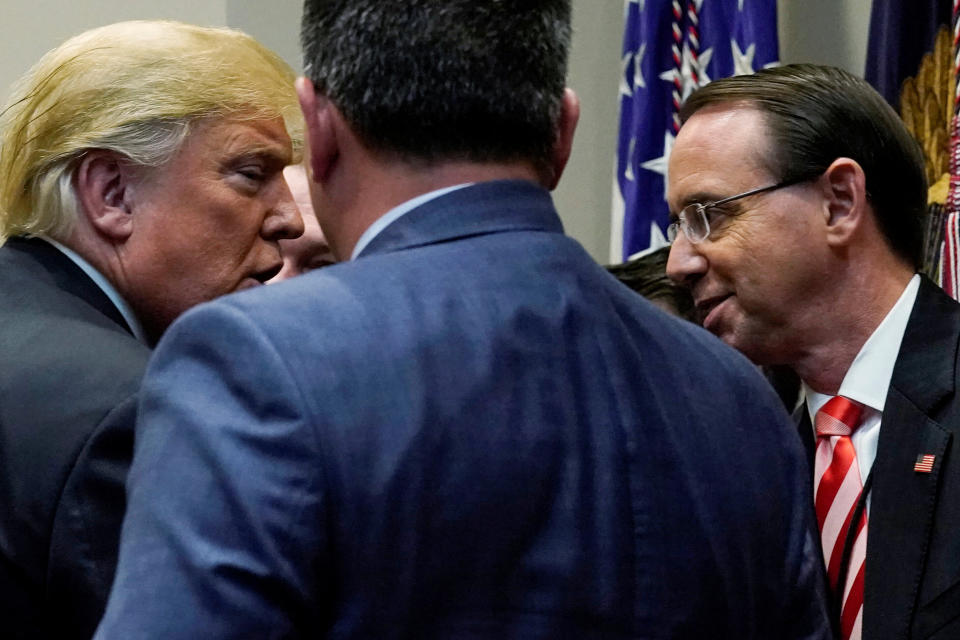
(471, 431)
(69, 372)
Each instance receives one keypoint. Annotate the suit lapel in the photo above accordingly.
(901, 514)
(903, 500)
(802, 418)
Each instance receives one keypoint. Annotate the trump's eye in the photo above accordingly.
(252, 173)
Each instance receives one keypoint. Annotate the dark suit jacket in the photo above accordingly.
(471, 431)
(912, 579)
(69, 369)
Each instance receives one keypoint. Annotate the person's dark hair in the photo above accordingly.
(438, 80)
(816, 114)
(647, 275)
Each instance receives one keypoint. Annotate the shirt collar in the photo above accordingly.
(386, 219)
(868, 378)
(105, 286)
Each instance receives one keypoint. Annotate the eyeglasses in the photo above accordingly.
(695, 223)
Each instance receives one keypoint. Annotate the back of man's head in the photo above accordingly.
(438, 80)
(816, 114)
(133, 88)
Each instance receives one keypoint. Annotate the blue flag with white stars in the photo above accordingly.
(669, 49)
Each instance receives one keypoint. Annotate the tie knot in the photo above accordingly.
(839, 417)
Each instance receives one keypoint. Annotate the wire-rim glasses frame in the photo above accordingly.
(695, 224)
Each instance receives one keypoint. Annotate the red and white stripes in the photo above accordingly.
(949, 279)
(693, 38)
(692, 43)
(956, 54)
(837, 489)
(677, 50)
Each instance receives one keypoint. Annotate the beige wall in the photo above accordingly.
(30, 28)
(584, 195)
(277, 27)
(825, 31)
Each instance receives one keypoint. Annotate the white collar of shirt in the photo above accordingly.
(868, 378)
(383, 221)
(105, 286)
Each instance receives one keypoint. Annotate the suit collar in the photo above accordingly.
(64, 274)
(926, 365)
(802, 419)
(486, 207)
(106, 286)
(396, 213)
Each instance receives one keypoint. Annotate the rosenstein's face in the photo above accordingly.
(749, 278)
(209, 221)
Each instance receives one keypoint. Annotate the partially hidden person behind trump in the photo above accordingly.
(311, 250)
(140, 174)
(798, 199)
(481, 433)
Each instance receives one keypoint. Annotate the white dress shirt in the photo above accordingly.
(125, 311)
(381, 223)
(868, 378)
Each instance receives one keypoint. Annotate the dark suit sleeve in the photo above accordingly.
(805, 613)
(801, 610)
(223, 525)
(86, 529)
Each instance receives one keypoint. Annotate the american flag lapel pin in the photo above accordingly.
(924, 463)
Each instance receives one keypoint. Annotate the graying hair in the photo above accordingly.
(148, 145)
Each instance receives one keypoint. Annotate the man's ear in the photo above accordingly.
(563, 145)
(102, 183)
(844, 185)
(321, 140)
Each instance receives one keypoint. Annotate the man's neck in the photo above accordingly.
(848, 321)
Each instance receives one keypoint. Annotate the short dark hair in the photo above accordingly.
(816, 114)
(437, 80)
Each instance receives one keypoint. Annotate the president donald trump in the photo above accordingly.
(140, 174)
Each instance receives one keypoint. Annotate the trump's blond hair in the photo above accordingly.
(134, 88)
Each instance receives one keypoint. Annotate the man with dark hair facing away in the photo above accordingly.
(484, 435)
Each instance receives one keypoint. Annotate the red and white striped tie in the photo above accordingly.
(837, 487)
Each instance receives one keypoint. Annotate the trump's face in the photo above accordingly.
(751, 277)
(210, 221)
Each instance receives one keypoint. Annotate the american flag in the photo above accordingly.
(924, 463)
(670, 47)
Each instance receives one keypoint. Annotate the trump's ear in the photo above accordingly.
(563, 145)
(321, 141)
(102, 182)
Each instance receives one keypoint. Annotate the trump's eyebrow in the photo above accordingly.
(274, 153)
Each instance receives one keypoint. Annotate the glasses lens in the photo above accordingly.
(672, 230)
(697, 227)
